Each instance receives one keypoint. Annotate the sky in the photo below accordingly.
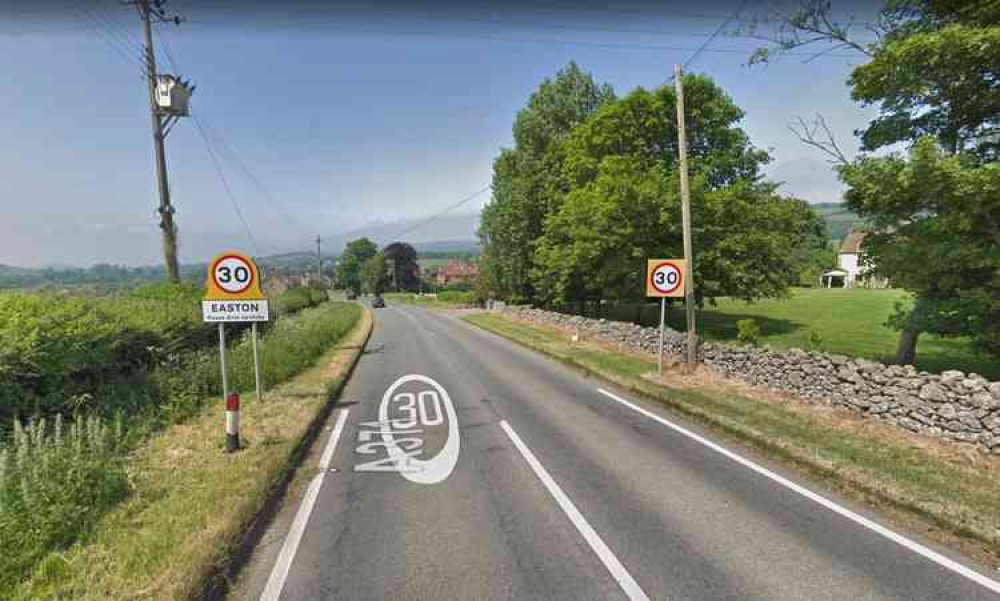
(325, 117)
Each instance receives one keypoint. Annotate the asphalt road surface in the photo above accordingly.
(495, 473)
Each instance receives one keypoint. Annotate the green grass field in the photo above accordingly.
(850, 321)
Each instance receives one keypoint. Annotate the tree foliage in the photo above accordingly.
(932, 71)
(356, 253)
(937, 233)
(375, 276)
(403, 264)
(527, 179)
(623, 204)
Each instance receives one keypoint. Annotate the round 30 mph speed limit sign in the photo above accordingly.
(665, 277)
(233, 274)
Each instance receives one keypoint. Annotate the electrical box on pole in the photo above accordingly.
(172, 96)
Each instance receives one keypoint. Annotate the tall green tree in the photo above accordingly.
(936, 218)
(356, 253)
(375, 276)
(527, 179)
(624, 206)
(403, 265)
(932, 72)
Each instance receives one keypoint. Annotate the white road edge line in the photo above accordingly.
(910, 544)
(276, 581)
(618, 571)
(331, 445)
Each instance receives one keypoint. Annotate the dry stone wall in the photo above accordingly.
(952, 405)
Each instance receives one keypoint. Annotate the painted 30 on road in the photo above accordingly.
(405, 418)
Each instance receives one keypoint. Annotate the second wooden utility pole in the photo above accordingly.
(319, 260)
(692, 335)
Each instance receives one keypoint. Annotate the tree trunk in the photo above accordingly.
(906, 348)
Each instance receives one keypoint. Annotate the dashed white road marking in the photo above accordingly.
(276, 582)
(908, 543)
(628, 584)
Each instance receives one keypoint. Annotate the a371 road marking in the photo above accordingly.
(910, 544)
(402, 435)
(618, 572)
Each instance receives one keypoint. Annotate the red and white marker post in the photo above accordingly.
(232, 422)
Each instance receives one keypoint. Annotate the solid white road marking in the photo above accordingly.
(279, 573)
(618, 571)
(912, 545)
(331, 445)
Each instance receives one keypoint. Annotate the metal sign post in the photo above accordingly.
(256, 363)
(663, 314)
(664, 279)
(222, 361)
(233, 294)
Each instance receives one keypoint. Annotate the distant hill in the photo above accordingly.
(446, 229)
(839, 219)
(448, 247)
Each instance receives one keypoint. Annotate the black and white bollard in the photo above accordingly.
(232, 422)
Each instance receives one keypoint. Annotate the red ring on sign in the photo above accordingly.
(680, 277)
(241, 260)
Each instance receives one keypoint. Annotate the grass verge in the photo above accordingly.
(190, 502)
(945, 492)
(408, 298)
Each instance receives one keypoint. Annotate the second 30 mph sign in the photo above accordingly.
(665, 278)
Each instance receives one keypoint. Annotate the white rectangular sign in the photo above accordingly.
(216, 311)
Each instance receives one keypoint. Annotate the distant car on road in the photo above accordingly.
(378, 302)
(351, 295)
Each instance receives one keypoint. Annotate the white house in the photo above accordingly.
(850, 272)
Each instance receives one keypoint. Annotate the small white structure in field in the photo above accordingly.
(850, 272)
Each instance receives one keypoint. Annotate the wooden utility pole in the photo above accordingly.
(319, 260)
(692, 335)
(166, 210)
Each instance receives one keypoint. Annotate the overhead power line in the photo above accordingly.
(448, 209)
(225, 184)
(114, 41)
(715, 33)
(230, 155)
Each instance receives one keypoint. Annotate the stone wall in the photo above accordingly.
(952, 405)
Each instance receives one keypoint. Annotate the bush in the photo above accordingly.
(297, 298)
(457, 297)
(55, 349)
(53, 485)
(815, 339)
(747, 331)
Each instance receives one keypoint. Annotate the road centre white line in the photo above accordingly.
(276, 581)
(618, 572)
(910, 544)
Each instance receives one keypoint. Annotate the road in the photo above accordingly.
(544, 484)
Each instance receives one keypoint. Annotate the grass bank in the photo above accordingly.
(183, 502)
(849, 321)
(925, 485)
(442, 300)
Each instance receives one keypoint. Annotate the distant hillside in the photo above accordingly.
(446, 229)
(839, 219)
(448, 247)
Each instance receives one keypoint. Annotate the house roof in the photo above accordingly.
(852, 243)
